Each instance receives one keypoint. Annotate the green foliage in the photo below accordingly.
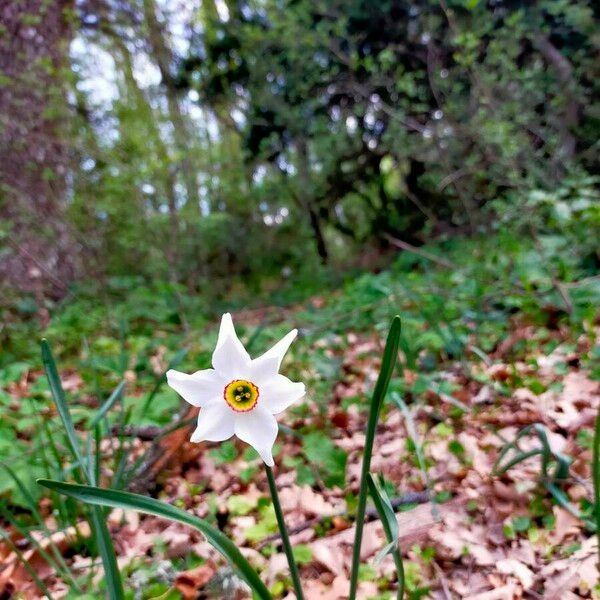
(115, 499)
(554, 469)
(388, 363)
(88, 472)
(283, 135)
(329, 460)
(390, 527)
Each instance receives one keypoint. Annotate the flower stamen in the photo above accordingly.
(241, 395)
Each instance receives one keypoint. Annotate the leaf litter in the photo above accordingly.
(480, 537)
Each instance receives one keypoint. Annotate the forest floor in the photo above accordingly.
(470, 527)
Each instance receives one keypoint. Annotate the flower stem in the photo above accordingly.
(596, 480)
(287, 546)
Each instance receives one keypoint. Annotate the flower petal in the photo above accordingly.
(280, 348)
(279, 393)
(262, 370)
(198, 388)
(227, 330)
(230, 358)
(259, 429)
(215, 423)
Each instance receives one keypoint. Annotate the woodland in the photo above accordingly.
(413, 186)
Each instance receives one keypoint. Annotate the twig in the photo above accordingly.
(410, 498)
(146, 433)
(419, 252)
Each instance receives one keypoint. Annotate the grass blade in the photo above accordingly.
(390, 355)
(116, 395)
(596, 480)
(22, 531)
(32, 573)
(60, 401)
(127, 500)
(63, 569)
(107, 553)
(390, 527)
(97, 521)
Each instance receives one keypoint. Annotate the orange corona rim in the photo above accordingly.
(241, 395)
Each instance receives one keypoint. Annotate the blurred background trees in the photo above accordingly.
(197, 141)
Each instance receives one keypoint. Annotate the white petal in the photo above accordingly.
(198, 388)
(230, 359)
(262, 370)
(215, 423)
(259, 429)
(227, 330)
(279, 393)
(280, 348)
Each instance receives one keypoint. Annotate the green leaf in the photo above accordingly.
(302, 553)
(107, 553)
(239, 505)
(118, 391)
(127, 500)
(32, 572)
(596, 477)
(331, 460)
(390, 527)
(390, 355)
(384, 507)
(60, 401)
(97, 521)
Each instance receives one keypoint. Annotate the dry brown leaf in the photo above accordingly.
(565, 524)
(455, 538)
(577, 572)
(511, 566)
(506, 592)
(14, 575)
(189, 583)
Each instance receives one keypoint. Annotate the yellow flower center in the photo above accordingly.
(241, 395)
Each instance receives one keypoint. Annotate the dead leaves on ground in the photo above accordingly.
(477, 553)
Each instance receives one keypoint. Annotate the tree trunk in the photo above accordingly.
(570, 117)
(34, 159)
(307, 202)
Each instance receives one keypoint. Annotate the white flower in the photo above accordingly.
(239, 395)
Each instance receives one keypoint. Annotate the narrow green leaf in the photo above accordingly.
(384, 507)
(32, 572)
(60, 401)
(41, 523)
(34, 542)
(596, 479)
(107, 553)
(387, 549)
(97, 521)
(127, 500)
(116, 395)
(390, 355)
(390, 527)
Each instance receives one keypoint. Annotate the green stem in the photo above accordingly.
(390, 354)
(400, 570)
(287, 546)
(596, 480)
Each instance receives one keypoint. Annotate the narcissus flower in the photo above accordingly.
(239, 395)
